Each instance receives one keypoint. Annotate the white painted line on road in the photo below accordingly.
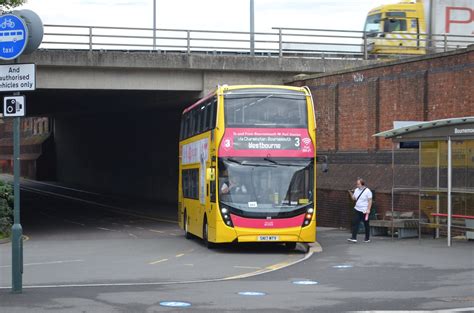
(104, 206)
(179, 255)
(103, 228)
(46, 263)
(172, 234)
(61, 187)
(158, 261)
(247, 267)
(139, 228)
(132, 235)
(188, 264)
(156, 231)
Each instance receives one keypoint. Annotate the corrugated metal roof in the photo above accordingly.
(424, 126)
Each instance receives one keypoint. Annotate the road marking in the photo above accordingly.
(156, 231)
(179, 255)
(158, 261)
(46, 263)
(105, 207)
(139, 228)
(248, 267)
(161, 283)
(270, 268)
(103, 228)
(132, 235)
(172, 234)
(58, 186)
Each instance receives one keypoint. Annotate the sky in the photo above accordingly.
(230, 15)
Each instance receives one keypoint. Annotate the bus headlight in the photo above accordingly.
(308, 217)
(226, 217)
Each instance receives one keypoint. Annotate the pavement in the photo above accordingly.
(82, 257)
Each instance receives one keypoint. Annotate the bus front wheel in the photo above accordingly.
(205, 235)
(290, 245)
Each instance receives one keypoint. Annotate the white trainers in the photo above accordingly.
(352, 240)
(367, 241)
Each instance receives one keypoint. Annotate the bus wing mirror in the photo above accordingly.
(211, 174)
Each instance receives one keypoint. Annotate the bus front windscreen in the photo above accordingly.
(265, 108)
(265, 186)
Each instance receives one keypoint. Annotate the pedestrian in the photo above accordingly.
(361, 212)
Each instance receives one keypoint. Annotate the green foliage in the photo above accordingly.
(6, 212)
(8, 4)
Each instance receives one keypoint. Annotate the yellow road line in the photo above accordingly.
(279, 265)
(158, 261)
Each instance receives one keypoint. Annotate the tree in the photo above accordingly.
(8, 4)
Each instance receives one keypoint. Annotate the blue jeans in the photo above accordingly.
(358, 217)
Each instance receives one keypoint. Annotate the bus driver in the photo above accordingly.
(233, 186)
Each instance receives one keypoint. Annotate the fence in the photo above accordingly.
(281, 42)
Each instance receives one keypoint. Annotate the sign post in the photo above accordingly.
(17, 231)
(14, 39)
(20, 32)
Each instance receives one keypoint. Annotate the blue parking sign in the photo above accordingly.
(13, 36)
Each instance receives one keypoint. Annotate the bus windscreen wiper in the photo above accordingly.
(282, 164)
(234, 161)
(244, 163)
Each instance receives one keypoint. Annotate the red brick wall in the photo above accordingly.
(353, 105)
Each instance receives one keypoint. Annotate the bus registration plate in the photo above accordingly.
(268, 238)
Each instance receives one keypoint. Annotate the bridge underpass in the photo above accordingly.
(112, 141)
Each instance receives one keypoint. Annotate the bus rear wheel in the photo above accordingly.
(187, 234)
(205, 235)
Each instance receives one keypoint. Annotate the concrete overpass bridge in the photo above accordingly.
(155, 79)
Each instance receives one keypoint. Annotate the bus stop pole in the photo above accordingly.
(450, 176)
(17, 232)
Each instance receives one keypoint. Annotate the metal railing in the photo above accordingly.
(282, 42)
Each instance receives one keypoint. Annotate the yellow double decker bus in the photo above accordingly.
(247, 166)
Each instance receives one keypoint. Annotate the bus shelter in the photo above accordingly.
(433, 169)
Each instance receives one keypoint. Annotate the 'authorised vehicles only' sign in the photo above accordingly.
(17, 77)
